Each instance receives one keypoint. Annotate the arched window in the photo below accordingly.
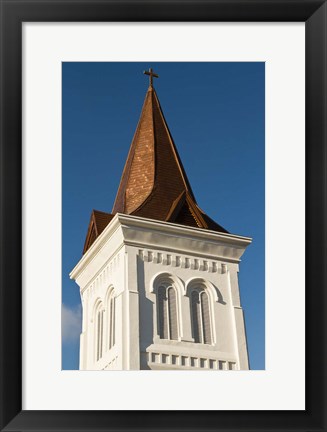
(99, 332)
(200, 312)
(167, 312)
(111, 320)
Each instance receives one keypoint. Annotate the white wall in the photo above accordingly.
(131, 255)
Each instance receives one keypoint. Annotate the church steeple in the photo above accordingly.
(148, 288)
(154, 183)
(153, 175)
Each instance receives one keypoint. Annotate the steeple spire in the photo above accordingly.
(154, 183)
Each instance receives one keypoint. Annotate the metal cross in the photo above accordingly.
(151, 74)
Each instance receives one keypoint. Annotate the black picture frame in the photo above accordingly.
(13, 14)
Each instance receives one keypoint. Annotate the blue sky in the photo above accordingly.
(216, 114)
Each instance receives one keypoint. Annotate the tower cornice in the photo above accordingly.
(148, 233)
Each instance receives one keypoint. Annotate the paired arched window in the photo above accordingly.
(200, 296)
(104, 325)
(167, 312)
(200, 316)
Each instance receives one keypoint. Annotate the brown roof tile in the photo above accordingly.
(98, 221)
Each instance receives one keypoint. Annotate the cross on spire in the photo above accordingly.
(151, 75)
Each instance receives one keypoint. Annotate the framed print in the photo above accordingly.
(151, 317)
(161, 343)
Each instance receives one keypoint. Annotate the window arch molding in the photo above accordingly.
(202, 293)
(98, 304)
(196, 282)
(168, 322)
(109, 293)
(167, 277)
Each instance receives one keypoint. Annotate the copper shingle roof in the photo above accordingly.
(154, 183)
(153, 176)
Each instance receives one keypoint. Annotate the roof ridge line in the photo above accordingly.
(180, 200)
(197, 212)
(100, 211)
